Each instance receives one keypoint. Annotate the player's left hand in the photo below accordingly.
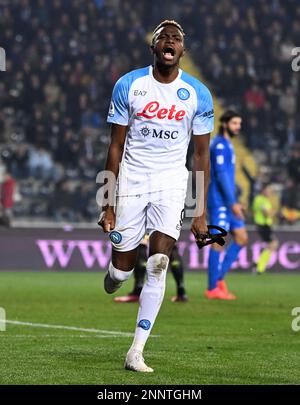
(199, 228)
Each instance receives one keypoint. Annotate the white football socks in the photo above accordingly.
(150, 299)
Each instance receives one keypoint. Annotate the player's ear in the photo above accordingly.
(152, 49)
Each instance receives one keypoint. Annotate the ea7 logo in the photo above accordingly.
(139, 92)
(2, 60)
(296, 321)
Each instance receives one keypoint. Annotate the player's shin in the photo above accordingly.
(213, 268)
(263, 260)
(150, 299)
(230, 256)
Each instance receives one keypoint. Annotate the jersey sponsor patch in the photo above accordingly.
(208, 114)
(152, 110)
(145, 131)
(111, 111)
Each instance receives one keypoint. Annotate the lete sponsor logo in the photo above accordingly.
(153, 110)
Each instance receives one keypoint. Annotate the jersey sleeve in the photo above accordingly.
(203, 121)
(119, 107)
(218, 160)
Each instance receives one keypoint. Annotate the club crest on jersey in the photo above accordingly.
(183, 93)
(111, 111)
(115, 237)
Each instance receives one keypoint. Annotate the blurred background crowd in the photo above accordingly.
(63, 58)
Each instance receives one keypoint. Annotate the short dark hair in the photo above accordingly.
(164, 24)
(226, 117)
(264, 185)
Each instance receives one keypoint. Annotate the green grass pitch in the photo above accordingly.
(248, 341)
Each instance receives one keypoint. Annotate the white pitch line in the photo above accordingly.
(55, 336)
(64, 327)
(45, 325)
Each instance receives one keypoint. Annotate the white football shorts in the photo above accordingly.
(161, 211)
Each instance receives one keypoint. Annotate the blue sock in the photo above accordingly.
(230, 256)
(213, 268)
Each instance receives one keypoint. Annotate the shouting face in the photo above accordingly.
(168, 46)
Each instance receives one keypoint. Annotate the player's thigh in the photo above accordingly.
(164, 219)
(124, 260)
(161, 243)
(130, 224)
(266, 234)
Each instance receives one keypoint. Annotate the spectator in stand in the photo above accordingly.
(41, 164)
(59, 75)
(7, 193)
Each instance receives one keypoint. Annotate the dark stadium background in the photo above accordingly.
(63, 58)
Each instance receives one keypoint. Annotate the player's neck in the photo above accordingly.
(226, 136)
(165, 74)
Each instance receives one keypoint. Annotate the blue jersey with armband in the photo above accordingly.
(221, 192)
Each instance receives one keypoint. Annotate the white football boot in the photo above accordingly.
(135, 362)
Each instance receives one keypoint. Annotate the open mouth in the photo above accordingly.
(168, 53)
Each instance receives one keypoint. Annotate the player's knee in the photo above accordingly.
(119, 275)
(157, 266)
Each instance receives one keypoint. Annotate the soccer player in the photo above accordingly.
(263, 213)
(176, 266)
(153, 112)
(224, 210)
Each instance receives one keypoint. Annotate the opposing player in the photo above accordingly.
(153, 112)
(224, 210)
(263, 214)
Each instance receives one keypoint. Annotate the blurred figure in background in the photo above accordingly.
(290, 207)
(263, 214)
(7, 192)
(223, 207)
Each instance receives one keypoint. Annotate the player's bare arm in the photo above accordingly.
(201, 162)
(114, 156)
